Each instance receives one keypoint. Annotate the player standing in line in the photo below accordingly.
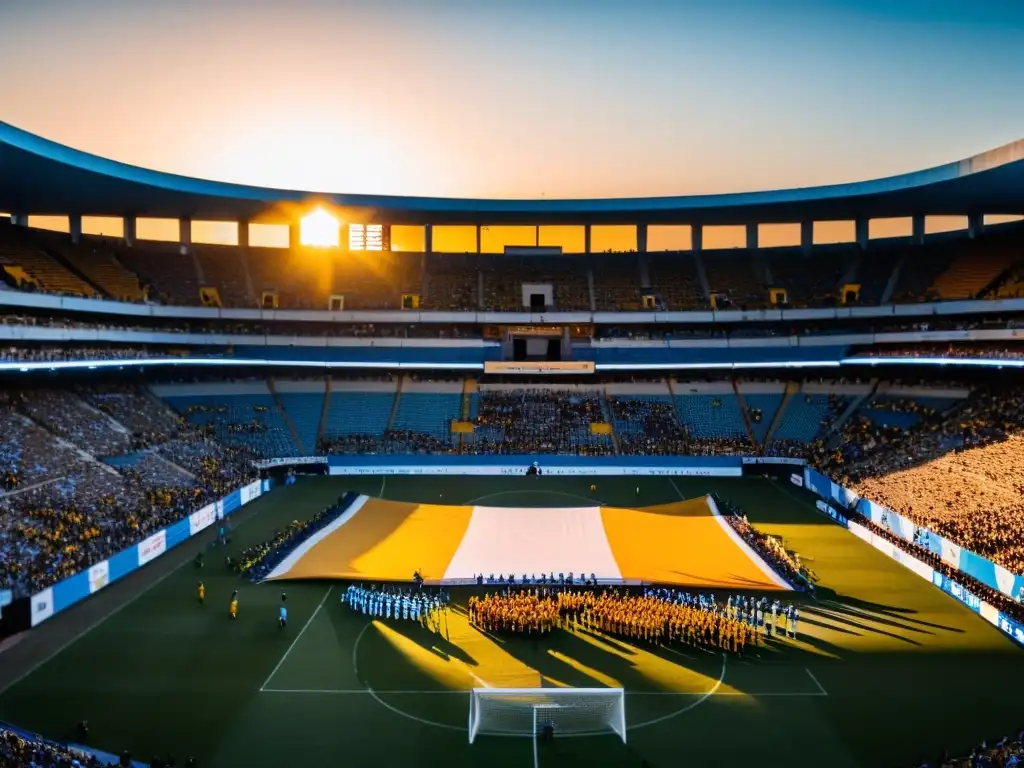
(282, 616)
(793, 619)
(201, 593)
(233, 605)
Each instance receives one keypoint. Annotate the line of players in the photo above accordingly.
(397, 603)
(657, 615)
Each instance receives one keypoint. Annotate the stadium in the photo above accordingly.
(359, 499)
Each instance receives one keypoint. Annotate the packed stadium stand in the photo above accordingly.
(95, 260)
(809, 280)
(675, 280)
(170, 275)
(242, 415)
(224, 268)
(27, 263)
(710, 414)
(453, 283)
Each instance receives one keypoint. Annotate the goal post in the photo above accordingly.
(525, 711)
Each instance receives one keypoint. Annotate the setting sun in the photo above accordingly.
(320, 229)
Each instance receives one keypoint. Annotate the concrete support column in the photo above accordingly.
(861, 232)
(478, 229)
(806, 236)
(586, 238)
(975, 224)
(75, 228)
(344, 237)
(19, 219)
(428, 239)
(294, 234)
(917, 229)
(128, 224)
(185, 233)
(243, 234)
(752, 237)
(697, 237)
(641, 238)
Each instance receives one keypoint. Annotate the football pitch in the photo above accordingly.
(886, 668)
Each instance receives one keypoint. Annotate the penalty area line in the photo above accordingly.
(296, 640)
(821, 688)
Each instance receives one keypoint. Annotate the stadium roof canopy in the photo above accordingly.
(38, 176)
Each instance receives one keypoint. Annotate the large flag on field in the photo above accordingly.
(685, 543)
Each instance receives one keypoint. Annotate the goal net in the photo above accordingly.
(528, 711)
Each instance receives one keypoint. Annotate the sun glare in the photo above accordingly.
(320, 230)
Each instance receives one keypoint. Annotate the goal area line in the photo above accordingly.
(467, 692)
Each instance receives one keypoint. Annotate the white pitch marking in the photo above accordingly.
(820, 686)
(296, 640)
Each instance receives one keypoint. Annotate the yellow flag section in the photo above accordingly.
(386, 540)
(684, 543)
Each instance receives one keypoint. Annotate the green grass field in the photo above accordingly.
(887, 668)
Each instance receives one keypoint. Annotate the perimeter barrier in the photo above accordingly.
(833, 498)
(74, 589)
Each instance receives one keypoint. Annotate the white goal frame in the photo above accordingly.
(547, 699)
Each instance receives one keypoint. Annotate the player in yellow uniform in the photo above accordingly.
(201, 592)
(233, 607)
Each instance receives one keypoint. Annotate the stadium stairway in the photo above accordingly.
(325, 407)
(743, 412)
(792, 388)
(394, 404)
(609, 417)
(853, 407)
(278, 404)
(894, 278)
(64, 261)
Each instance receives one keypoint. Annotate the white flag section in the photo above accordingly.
(685, 542)
(503, 540)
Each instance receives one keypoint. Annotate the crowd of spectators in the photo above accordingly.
(63, 509)
(770, 548)
(252, 328)
(16, 354)
(259, 560)
(958, 473)
(22, 750)
(649, 427)
(525, 421)
(973, 351)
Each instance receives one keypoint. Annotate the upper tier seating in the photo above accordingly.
(95, 258)
(161, 266)
(505, 275)
(736, 275)
(975, 266)
(810, 280)
(674, 279)
(453, 283)
(17, 248)
(616, 281)
(302, 279)
(224, 267)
